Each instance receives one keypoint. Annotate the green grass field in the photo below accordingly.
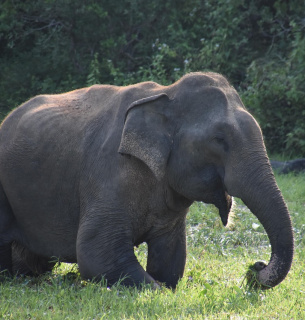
(213, 286)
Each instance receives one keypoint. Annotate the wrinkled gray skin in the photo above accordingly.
(87, 175)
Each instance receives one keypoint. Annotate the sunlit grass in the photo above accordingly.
(213, 286)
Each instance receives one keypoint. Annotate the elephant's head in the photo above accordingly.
(197, 136)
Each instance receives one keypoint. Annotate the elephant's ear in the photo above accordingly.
(148, 132)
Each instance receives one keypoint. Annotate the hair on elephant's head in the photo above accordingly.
(197, 136)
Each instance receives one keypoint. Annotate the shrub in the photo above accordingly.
(275, 93)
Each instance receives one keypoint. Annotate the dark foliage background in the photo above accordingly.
(51, 46)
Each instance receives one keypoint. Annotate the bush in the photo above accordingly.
(275, 93)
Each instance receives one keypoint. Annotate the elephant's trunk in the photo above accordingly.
(261, 195)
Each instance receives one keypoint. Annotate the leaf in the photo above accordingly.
(237, 290)
(203, 292)
(207, 286)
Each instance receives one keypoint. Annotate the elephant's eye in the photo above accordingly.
(220, 140)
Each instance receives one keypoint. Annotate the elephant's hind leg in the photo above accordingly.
(5, 259)
(7, 233)
(28, 263)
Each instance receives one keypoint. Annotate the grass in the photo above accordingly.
(213, 286)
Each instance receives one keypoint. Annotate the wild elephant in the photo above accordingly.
(87, 175)
(296, 166)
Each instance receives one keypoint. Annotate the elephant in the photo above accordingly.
(86, 176)
(295, 166)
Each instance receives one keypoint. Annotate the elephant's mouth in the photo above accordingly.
(223, 201)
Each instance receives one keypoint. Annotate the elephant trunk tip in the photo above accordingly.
(252, 277)
(263, 276)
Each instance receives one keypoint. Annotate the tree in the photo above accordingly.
(58, 45)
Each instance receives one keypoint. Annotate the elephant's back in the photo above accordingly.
(73, 105)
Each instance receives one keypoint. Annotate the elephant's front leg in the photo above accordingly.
(167, 255)
(105, 249)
